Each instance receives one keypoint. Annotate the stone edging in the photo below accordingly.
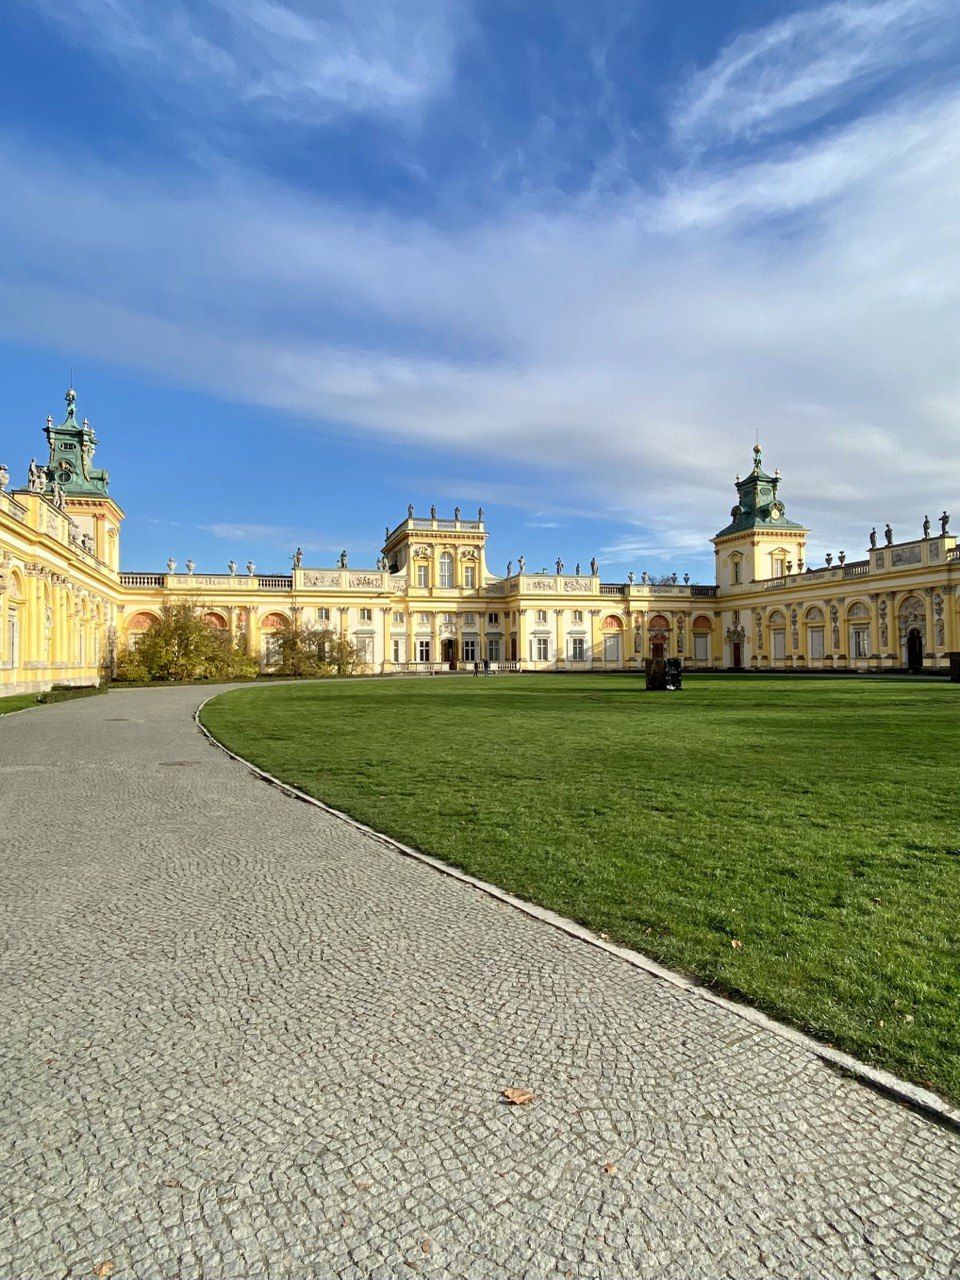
(914, 1096)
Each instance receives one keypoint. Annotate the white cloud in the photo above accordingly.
(617, 356)
(386, 56)
(803, 66)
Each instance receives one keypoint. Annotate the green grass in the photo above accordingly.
(17, 702)
(816, 822)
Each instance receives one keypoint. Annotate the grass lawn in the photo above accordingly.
(796, 843)
(17, 701)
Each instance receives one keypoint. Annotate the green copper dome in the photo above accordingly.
(758, 506)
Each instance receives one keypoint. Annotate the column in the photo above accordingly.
(930, 646)
(561, 651)
(875, 659)
(435, 637)
(596, 650)
(522, 655)
(387, 663)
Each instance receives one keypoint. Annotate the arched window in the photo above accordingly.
(702, 629)
(446, 569)
(138, 624)
(216, 621)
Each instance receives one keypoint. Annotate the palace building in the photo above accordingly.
(431, 603)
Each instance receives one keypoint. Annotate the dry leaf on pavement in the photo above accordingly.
(517, 1097)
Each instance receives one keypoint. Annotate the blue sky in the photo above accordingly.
(311, 261)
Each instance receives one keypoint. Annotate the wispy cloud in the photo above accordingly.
(385, 56)
(803, 66)
(627, 347)
(273, 536)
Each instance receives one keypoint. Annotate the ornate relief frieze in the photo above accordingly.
(312, 578)
(541, 584)
(577, 584)
(905, 555)
(367, 581)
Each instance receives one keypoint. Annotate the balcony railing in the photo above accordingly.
(856, 569)
(279, 582)
(143, 579)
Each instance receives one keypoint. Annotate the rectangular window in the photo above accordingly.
(493, 648)
(576, 649)
(469, 619)
(779, 642)
(448, 619)
(423, 619)
(446, 570)
(779, 567)
(398, 617)
(366, 615)
(543, 649)
(423, 575)
(469, 575)
(423, 650)
(701, 648)
(541, 615)
(364, 645)
(493, 619)
(323, 615)
(816, 642)
(469, 650)
(611, 648)
(860, 642)
(578, 615)
(397, 651)
(735, 572)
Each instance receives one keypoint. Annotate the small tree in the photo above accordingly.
(313, 651)
(182, 646)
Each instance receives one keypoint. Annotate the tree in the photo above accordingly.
(182, 646)
(313, 651)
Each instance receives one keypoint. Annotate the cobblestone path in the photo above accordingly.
(241, 1039)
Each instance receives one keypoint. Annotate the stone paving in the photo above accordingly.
(242, 1039)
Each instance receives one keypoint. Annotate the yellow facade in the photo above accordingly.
(433, 604)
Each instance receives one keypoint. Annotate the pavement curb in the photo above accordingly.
(924, 1101)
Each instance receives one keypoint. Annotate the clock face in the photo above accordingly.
(776, 511)
(66, 471)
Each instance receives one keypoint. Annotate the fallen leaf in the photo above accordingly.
(409, 1262)
(605, 937)
(425, 1246)
(172, 1182)
(517, 1097)
(363, 1186)
(736, 944)
(105, 1268)
(609, 1168)
(877, 902)
(909, 1018)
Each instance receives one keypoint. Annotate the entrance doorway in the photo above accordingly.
(914, 650)
(450, 654)
(657, 650)
(737, 654)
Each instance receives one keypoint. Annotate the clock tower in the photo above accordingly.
(84, 487)
(759, 542)
(71, 455)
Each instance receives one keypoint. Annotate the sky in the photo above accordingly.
(307, 261)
